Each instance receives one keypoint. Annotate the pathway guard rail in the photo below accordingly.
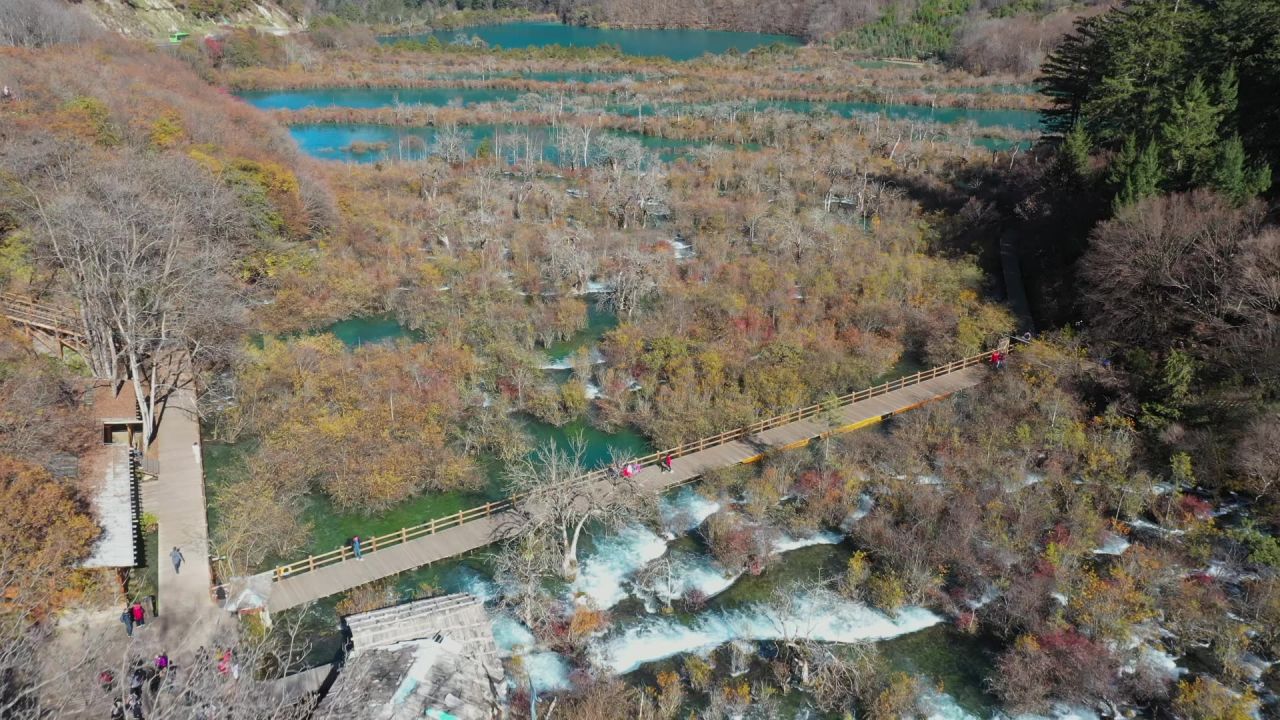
(405, 534)
(29, 312)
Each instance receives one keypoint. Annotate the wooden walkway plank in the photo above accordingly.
(188, 616)
(303, 587)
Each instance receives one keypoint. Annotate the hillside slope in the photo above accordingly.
(157, 18)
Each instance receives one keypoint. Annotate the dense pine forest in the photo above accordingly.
(402, 271)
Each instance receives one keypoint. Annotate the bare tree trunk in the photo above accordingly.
(569, 564)
(145, 406)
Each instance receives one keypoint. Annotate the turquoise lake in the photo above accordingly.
(672, 44)
(371, 98)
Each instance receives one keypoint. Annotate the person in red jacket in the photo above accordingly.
(139, 615)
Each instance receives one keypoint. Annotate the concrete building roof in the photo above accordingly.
(110, 406)
(432, 658)
(114, 507)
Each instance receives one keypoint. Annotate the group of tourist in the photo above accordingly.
(132, 707)
(631, 469)
(135, 615)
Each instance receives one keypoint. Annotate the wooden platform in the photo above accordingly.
(306, 587)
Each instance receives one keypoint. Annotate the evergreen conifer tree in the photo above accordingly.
(1189, 136)
(1143, 178)
(1123, 162)
(1233, 178)
(1073, 157)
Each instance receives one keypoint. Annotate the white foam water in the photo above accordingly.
(785, 543)
(941, 706)
(467, 580)
(866, 504)
(690, 572)
(1112, 544)
(822, 616)
(685, 509)
(604, 573)
(547, 671)
(594, 356)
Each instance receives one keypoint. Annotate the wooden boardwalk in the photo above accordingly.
(59, 328)
(294, 588)
(189, 619)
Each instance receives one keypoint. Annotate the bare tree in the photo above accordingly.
(148, 243)
(559, 506)
(1188, 268)
(40, 23)
(521, 566)
(1258, 455)
(569, 262)
(451, 144)
(636, 279)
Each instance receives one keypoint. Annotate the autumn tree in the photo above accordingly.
(1258, 456)
(45, 531)
(369, 427)
(41, 409)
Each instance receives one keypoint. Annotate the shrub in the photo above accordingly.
(373, 596)
(699, 672)
(1207, 699)
(886, 591)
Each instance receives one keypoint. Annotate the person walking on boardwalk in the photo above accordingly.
(355, 547)
(126, 617)
(175, 556)
(139, 615)
(666, 463)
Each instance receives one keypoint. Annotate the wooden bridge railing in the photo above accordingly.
(51, 319)
(405, 534)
